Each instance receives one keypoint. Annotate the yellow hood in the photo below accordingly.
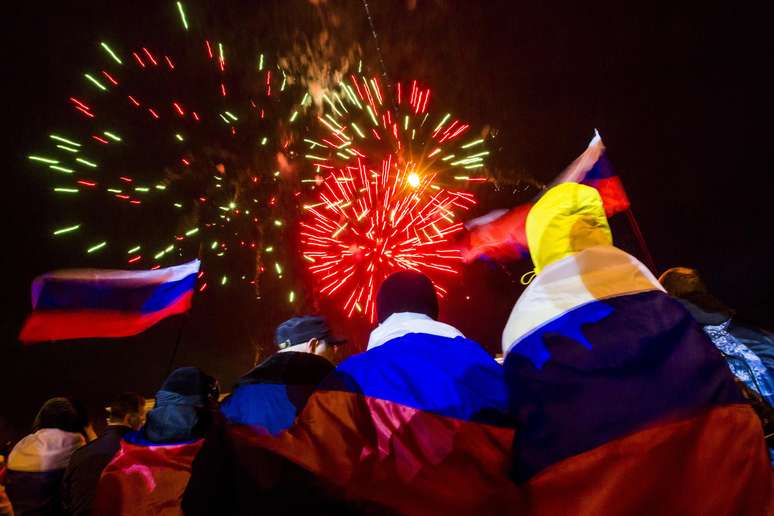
(567, 219)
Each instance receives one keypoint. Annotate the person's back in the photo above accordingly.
(37, 462)
(416, 423)
(150, 471)
(271, 394)
(79, 484)
(622, 403)
(232, 477)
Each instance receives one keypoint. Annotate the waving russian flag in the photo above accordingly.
(500, 235)
(416, 424)
(622, 403)
(593, 168)
(85, 303)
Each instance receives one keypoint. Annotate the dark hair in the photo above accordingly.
(406, 291)
(126, 404)
(686, 283)
(62, 414)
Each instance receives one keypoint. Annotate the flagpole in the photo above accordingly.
(641, 240)
(177, 343)
(183, 324)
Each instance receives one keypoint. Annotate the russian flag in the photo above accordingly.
(500, 235)
(592, 168)
(146, 478)
(87, 303)
(623, 405)
(417, 425)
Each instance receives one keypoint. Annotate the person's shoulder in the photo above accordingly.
(86, 451)
(289, 367)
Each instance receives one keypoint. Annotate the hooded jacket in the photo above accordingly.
(35, 469)
(151, 470)
(622, 403)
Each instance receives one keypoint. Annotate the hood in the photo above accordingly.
(594, 274)
(48, 449)
(174, 419)
(400, 324)
(567, 219)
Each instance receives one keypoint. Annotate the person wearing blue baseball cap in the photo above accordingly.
(234, 477)
(309, 334)
(272, 393)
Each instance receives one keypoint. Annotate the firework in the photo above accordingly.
(388, 190)
(171, 152)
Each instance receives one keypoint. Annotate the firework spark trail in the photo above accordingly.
(387, 197)
(173, 129)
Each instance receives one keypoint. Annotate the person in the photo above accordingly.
(229, 477)
(79, 485)
(37, 463)
(149, 473)
(725, 330)
(622, 404)
(272, 393)
(415, 424)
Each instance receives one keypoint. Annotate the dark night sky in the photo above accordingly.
(682, 97)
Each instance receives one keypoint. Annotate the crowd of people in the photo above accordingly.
(619, 393)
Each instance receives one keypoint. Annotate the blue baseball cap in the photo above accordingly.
(299, 330)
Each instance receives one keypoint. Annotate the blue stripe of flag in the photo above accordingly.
(76, 295)
(605, 370)
(449, 377)
(602, 169)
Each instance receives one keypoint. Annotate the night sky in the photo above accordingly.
(681, 96)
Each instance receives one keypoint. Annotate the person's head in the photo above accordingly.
(61, 414)
(184, 407)
(127, 410)
(84, 420)
(566, 220)
(406, 291)
(682, 282)
(309, 334)
(189, 386)
(686, 283)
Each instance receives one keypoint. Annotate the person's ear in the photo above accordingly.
(312, 345)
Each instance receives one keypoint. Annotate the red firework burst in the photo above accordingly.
(385, 203)
(369, 224)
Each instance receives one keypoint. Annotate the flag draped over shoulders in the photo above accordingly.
(416, 424)
(622, 403)
(146, 478)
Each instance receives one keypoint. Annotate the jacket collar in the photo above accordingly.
(400, 324)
